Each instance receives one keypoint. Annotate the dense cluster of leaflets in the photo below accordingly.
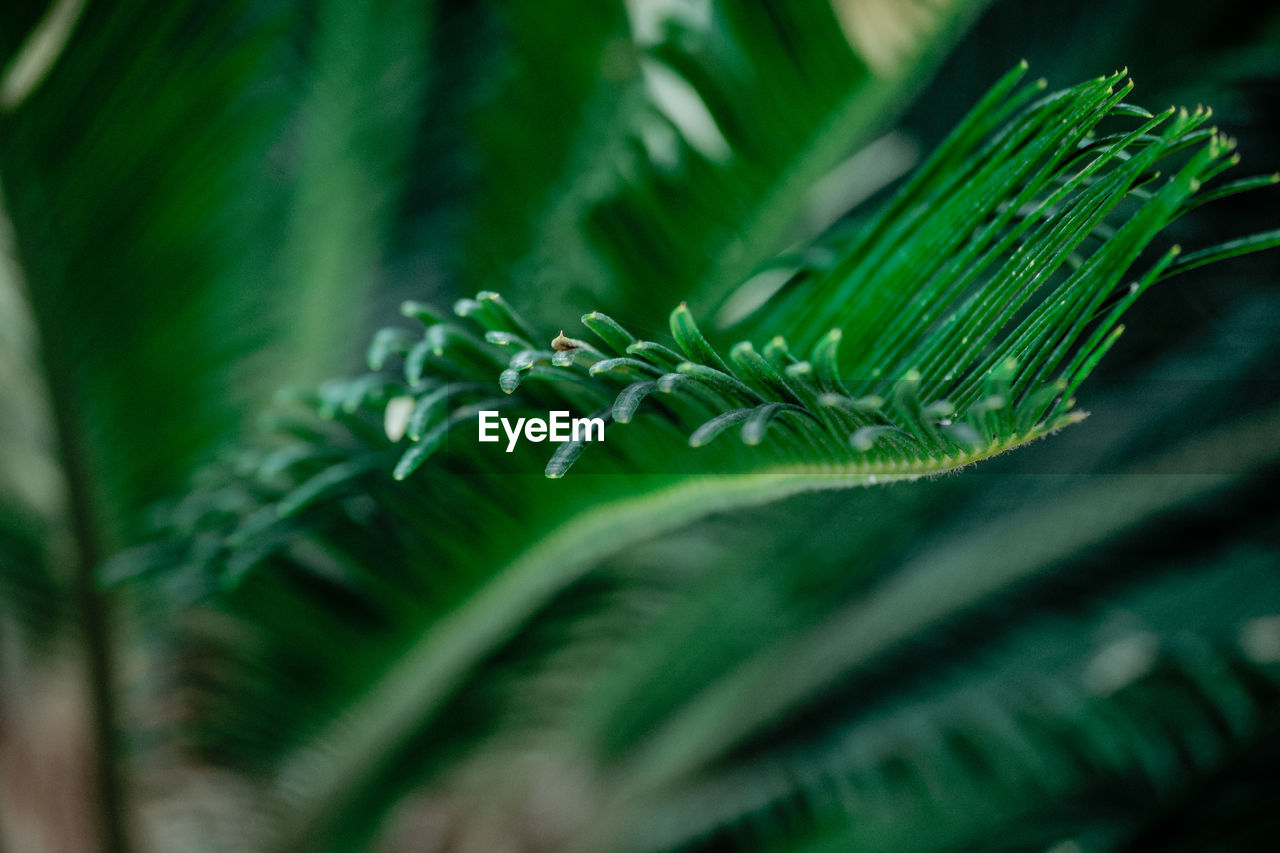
(957, 324)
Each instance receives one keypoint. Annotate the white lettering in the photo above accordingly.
(487, 422)
(559, 426)
(587, 425)
(513, 435)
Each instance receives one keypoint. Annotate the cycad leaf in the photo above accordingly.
(963, 329)
(956, 307)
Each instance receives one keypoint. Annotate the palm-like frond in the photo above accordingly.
(995, 284)
(957, 351)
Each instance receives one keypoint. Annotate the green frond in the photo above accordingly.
(956, 325)
(978, 763)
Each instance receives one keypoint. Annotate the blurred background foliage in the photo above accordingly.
(1070, 648)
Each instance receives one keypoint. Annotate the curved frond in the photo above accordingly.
(957, 324)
